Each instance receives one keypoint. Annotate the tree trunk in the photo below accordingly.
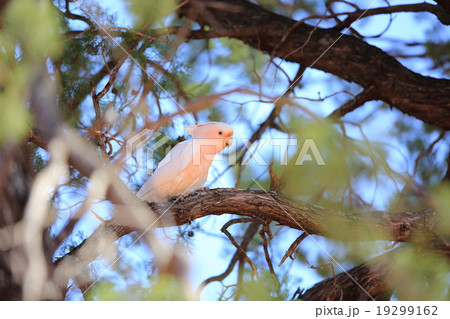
(15, 180)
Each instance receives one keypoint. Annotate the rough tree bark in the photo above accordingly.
(445, 4)
(273, 206)
(369, 280)
(328, 50)
(15, 180)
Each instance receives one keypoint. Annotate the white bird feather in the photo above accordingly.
(185, 168)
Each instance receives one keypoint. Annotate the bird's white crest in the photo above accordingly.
(190, 129)
(185, 168)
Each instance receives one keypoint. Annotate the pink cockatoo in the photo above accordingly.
(185, 168)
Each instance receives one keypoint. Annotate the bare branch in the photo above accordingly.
(265, 230)
(241, 251)
(292, 248)
(438, 11)
(248, 235)
(360, 99)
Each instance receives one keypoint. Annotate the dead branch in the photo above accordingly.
(292, 248)
(265, 230)
(241, 251)
(248, 235)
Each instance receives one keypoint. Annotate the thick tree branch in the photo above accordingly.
(438, 11)
(444, 4)
(368, 280)
(15, 179)
(329, 50)
(362, 282)
(269, 205)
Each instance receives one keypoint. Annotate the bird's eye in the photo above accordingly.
(220, 132)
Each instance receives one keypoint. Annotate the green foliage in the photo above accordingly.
(305, 176)
(309, 177)
(420, 275)
(441, 201)
(440, 53)
(75, 65)
(417, 137)
(166, 287)
(163, 288)
(195, 88)
(25, 48)
(158, 153)
(105, 290)
(267, 287)
(287, 8)
(38, 37)
(437, 47)
(38, 161)
(149, 12)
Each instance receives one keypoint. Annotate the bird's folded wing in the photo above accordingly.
(169, 168)
(178, 158)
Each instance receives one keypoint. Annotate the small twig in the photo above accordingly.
(265, 230)
(124, 57)
(274, 182)
(97, 133)
(248, 235)
(74, 16)
(395, 243)
(77, 33)
(329, 6)
(441, 14)
(95, 101)
(292, 248)
(132, 31)
(306, 42)
(428, 150)
(235, 244)
(353, 104)
(222, 294)
(298, 293)
(178, 6)
(335, 285)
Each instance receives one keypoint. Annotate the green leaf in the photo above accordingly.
(150, 11)
(38, 37)
(420, 277)
(441, 201)
(267, 287)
